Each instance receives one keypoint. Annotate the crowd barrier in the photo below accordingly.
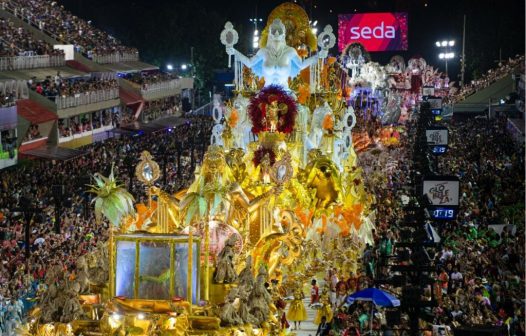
(31, 62)
(205, 110)
(86, 98)
(17, 87)
(161, 86)
(104, 75)
(114, 57)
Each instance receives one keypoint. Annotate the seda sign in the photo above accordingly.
(375, 31)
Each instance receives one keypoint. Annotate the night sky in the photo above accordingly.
(164, 31)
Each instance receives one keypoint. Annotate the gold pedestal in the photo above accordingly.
(217, 292)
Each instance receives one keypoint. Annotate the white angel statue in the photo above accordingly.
(277, 61)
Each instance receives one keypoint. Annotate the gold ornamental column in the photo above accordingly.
(189, 270)
(207, 262)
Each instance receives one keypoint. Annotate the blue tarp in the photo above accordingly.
(378, 297)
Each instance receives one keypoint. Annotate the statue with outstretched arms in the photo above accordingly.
(276, 62)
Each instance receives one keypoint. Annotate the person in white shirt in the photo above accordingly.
(457, 312)
(456, 276)
(446, 254)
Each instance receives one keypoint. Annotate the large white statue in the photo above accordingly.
(276, 62)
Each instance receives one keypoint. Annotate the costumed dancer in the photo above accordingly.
(314, 292)
(325, 309)
(280, 306)
(297, 312)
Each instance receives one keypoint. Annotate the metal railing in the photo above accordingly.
(86, 98)
(169, 85)
(17, 87)
(205, 110)
(114, 57)
(31, 62)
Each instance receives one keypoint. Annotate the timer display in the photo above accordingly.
(439, 149)
(443, 213)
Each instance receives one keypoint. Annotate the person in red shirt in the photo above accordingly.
(314, 292)
(353, 283)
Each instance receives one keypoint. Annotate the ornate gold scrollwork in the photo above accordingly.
(147, 171)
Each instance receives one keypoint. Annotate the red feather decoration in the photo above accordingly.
(257, 107)
(260, 153)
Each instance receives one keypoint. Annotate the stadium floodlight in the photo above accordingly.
(446, 45)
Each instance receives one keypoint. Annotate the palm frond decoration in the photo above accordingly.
(207, 201)
(113, 201)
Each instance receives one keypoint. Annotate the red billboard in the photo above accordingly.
(375, 31)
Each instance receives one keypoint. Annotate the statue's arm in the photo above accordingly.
(302, 64)
(248, 62)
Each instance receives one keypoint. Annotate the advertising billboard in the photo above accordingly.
(442, 192)
(375, 31)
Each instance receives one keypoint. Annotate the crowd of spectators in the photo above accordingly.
(161, 107)
(74, 87)
(8, 99)
(79, 124)
(79, 231)
(54, 19)
(16, 41)
(33, 133)
(504, 68)
(479, 279)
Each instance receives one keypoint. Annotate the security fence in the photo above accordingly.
(31, 62)
(114, 57)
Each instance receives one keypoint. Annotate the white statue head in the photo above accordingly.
(277, 31)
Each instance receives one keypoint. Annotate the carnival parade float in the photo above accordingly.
(278, 198)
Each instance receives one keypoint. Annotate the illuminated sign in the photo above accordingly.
(375, 31)
(442, 191)
(428, 91)
(437, 136)
(435, 103)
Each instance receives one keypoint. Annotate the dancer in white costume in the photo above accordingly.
(277, 61)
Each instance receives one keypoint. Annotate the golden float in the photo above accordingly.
(262, 207)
